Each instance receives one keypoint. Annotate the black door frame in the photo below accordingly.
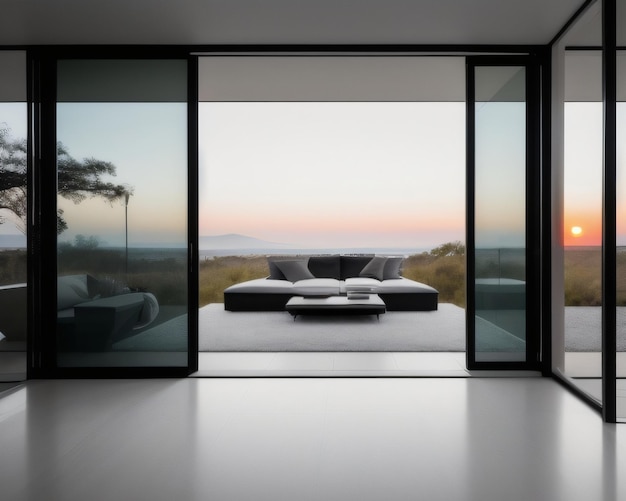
(42, 123)
(534, 212)
(42, 274)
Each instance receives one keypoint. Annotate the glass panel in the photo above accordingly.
(582, 238)
(621, 213)
(13, 204)
(122, 215)
(500, 214)
(577, 142)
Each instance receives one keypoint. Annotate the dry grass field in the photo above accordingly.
(583, 279)
(444, 272)
(583, 276)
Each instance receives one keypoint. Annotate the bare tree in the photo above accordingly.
(77, 180)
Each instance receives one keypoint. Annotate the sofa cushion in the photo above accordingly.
(325, 266)
(362, 284)
(261, 286)
(295, 270)
(275, 271)
(72, 290)
(317, 287)
(404, 286)
(149, 311)
(351, 266)
(375, 268)
(393, 268)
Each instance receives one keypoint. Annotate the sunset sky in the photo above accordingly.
(147, 142)
(306, 174)
(334, 174)
(583, 175)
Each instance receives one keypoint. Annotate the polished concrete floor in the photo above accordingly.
(340, 364)
(452, 439)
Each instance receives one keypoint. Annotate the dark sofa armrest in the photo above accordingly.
(101, 322)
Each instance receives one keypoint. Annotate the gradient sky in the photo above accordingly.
(500, 215)
(334, 174)
(309, 174)
(583, 175)
(147, 142)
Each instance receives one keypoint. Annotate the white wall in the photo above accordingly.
(13, 80)
(341, 79)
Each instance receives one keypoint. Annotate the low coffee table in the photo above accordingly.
(336, 305)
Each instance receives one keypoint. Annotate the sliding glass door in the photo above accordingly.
(122, 252)
(620, 215)
(13, 203)
(502, 276)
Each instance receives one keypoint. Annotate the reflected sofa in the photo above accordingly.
(329, 276)
(93, 314)
(13, 313)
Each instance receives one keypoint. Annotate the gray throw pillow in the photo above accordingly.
(275, 273)
(375, 268)
(325, 266)
(295, 270)
(351, 266)
(393, 268)
(71, 290)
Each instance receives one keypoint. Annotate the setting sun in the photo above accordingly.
(576, 231)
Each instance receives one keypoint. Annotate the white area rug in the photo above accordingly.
(397, 331)
(441, 330)
(583, 328)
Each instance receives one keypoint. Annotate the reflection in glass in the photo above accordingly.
(621, 227)
(500, 214)
(122, 219)
(13, 319)
(577, 142)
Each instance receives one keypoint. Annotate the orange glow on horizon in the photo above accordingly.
(577, 231)
(582, 229)
(300, 221)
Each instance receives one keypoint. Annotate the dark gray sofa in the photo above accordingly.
(93, 314)
(327, 276)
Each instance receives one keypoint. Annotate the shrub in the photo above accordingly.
(218, 273)
(13, 267)
(446, 273)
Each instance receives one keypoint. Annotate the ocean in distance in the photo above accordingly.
(154, 253)
(387, 251)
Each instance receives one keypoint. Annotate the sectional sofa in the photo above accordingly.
(329, 276)
(93, 314)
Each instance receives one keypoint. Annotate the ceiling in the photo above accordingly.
(283, 21)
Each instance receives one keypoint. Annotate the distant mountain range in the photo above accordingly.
(236, 241)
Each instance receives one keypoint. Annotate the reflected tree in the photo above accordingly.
(12, 178)
(77, 180)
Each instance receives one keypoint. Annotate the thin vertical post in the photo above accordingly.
(609, 260)
(126, 198)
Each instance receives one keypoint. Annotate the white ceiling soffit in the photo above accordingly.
(13, 82)
(284, 21)
(587, 30)
(319, 78)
